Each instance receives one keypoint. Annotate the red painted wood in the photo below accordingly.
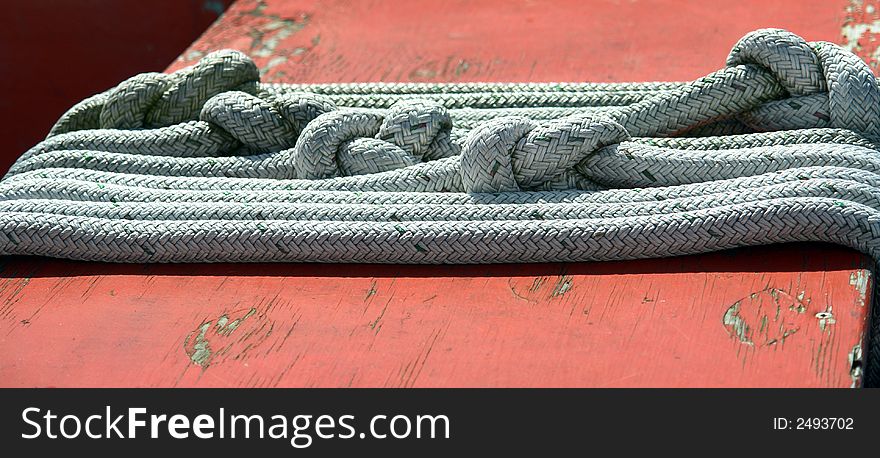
(751, 317)
(745, 318)
(498, 40)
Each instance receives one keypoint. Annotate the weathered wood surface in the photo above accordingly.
(792, 315)
(779, 316)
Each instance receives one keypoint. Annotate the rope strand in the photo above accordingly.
(209, 164)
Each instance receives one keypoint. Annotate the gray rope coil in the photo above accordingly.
(209, 164)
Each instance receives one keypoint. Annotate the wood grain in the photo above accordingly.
(497, 40)
(781, 316)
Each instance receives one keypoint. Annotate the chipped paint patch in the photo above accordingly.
(855, 363)
(372, 291)
(197, 345)
(563, 285)
(860, 280)
(201, 349)
(272, 40)
(735, 325)
(273, 62)
(765, 318)
(225, 327)
(860, 32)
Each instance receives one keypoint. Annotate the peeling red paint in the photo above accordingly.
(861, 30)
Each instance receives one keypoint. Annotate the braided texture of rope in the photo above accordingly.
(209, 164)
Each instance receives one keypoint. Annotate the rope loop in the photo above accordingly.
(853, 93)
(157, 100)
(264, 125)
(807, 70)
(357, 142)
(784, 54)
(514, 153)
(420, 128)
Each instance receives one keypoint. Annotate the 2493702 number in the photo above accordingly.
(824, 423)
(817, 423)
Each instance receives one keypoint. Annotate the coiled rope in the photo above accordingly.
(208, 164)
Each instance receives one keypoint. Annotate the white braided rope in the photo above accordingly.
(208, 164)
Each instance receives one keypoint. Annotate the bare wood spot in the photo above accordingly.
(212, 341)
(764, 318)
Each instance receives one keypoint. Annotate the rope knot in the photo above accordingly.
(806, 69)
(789, 57)
(513, 154)
(265, 125)
(158, 99)
(420, 128)
(358, 142)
